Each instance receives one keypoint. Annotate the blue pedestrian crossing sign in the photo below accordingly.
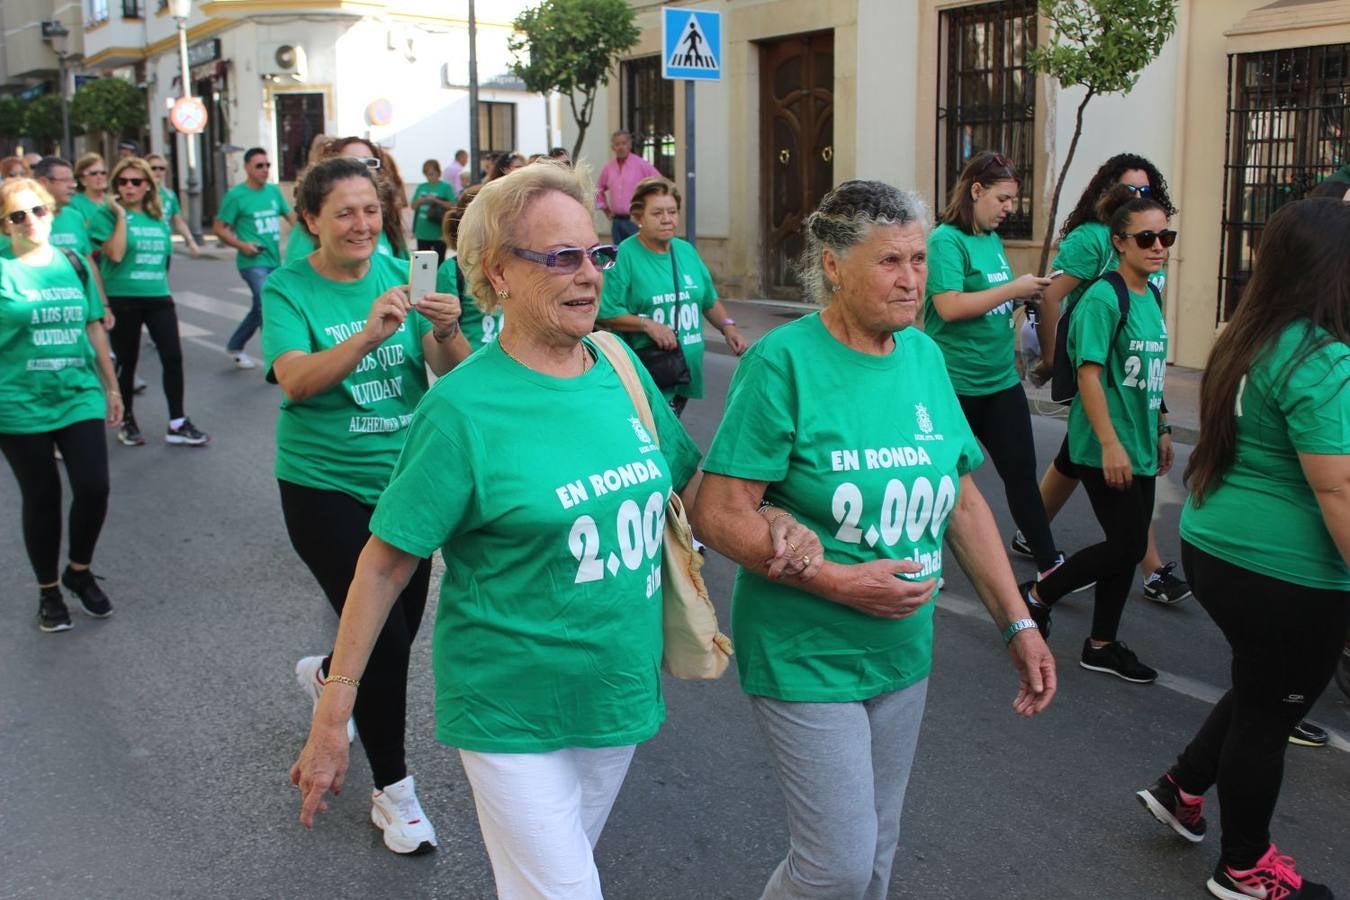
(691, 43)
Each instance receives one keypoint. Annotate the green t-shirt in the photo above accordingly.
(300, 244)
(979, 352)
(642, 283)
(87, 208)
(144, 269)
(69, 230)
(1134, 367)
(169, 200)
(347, 438)
(427, 223)
(548, 631)
(866, 451)
(479, 329)
(1086, 254)
(48, 376)
(1263, 516)
(254, 215)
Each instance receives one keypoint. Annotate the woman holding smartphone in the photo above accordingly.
(350, 353)
(968, 311)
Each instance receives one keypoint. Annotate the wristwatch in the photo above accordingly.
(1020, 625)
(1164, 428)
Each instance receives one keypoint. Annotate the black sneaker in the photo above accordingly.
(129, 435)
(1118, 660)
(84, 585)
(1019, 545)
(1272, 878)
(52, 613)
(1039, 612)
(187, 435)
(1306, 734)
(1163, 799)
(1164, 587)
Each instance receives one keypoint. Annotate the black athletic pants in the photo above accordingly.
(1286, 642)
(1124, 517)
(1002, 423)
(328, 530)
(84, 450)
(159, 317)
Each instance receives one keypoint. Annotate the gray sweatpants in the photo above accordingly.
(843, 768)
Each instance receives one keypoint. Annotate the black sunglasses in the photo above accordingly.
(134, 182)
(568, 259)
(1143, 190)
(261, 165)
(19, 216)
(159, 168)
(1145, 239)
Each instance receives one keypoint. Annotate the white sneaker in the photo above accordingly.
(396, 812)
(308, 673)
(244, 361)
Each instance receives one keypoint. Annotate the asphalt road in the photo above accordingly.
(146, 755)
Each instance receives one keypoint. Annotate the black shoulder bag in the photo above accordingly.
(668, 368)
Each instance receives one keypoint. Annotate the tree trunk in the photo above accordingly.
(1059, 183)
(582, 118)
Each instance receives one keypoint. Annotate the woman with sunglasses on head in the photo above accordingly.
(392, 241)
(1119, 440)
(57, 391)
(660, 291)
(135, 244)
(968, 311)
(1266, 539)
(351, 353)
(172, 206)
(91, 191)
(1085, 254)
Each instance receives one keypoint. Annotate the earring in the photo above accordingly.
(503, 293)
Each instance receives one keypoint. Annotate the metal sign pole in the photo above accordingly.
(690, 187)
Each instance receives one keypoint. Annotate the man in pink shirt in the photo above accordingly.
(614, 190)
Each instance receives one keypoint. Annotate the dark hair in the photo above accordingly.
(1301, 273)
(844, 219)
(502, 163)
(652, 187)
(987, 169)
(1106, 178)
(388, 183)
(455, 214)
(560, 153)
(1115, 207)
(1332, 187)
(316, 183)
(252, 152)
(44, 166)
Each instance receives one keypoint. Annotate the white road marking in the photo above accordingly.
(211, 305)
(1180, 684)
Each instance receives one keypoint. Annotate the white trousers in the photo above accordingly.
(541, 815)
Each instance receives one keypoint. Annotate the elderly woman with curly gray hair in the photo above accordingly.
(836, 659)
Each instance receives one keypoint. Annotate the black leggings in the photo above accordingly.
(329, 529)
(1286, 642)
(85, 452)
(158, 316)
(1125, 517)
(1002, 422)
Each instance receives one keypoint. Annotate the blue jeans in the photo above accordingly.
(254, 278)
(621, 228)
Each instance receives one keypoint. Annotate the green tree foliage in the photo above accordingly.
(11, 119)
(42, 121)
(110, 105)
(570, 46)
(1100, 46)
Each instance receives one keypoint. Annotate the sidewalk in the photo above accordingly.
(754, 318)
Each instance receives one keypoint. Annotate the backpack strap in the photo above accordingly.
(78, 265)
(1117, 283)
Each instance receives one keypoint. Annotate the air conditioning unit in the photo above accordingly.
(276, 61)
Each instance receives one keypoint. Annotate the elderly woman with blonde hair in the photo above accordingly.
(548, 643)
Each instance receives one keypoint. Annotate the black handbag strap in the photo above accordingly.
(675, 278)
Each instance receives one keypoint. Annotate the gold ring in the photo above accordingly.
(806, 562)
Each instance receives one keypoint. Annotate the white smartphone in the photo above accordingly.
(421, 275)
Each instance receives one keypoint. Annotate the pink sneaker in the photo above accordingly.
(1272, 878)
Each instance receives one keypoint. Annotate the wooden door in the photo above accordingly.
(796, 146)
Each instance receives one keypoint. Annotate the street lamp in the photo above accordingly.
(58, 36)
(181, 10)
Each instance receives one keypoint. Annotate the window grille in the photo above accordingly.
(647, 102)
(496, 127)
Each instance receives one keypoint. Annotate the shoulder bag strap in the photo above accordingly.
(1117, 283)
(610, 345)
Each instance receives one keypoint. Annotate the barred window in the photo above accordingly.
(647, 102)
(131, 9)
(96, 11)
(496, 127)
(1288, 125)
(988, 99)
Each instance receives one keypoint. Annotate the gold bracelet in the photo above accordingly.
(343, 679)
